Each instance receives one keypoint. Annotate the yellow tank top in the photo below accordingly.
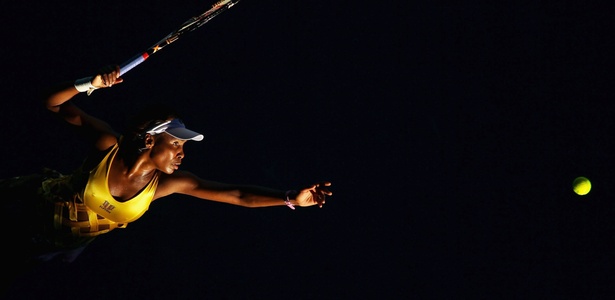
(98, 198)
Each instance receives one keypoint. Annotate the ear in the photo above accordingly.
(148, 141)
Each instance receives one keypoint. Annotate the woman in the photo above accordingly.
(119, 179)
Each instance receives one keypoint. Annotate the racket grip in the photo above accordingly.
(133, 62)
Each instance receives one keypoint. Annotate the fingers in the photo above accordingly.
(319, 187)
(319, 193)
(111, 77)
(108, 76)
(315, 194)
(318, 198)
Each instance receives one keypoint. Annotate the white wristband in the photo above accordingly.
(85, 85)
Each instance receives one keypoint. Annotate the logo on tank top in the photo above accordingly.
(107, 206)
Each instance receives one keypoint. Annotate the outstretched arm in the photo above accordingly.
(243, 195)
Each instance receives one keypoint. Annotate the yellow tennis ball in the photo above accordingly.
(581, 185)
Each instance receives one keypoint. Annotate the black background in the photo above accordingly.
(451, 133)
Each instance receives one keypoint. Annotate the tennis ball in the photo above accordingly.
(581, 185)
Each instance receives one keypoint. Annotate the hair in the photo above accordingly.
(149, 117)
(146, 119)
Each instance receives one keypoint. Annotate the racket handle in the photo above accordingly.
(133, 62)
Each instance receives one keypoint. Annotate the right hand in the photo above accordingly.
(107, 77)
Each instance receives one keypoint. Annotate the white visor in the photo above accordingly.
(177, 129)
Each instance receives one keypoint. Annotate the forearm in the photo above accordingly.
(236, 194)
(107, 77)
(59, 95)
(246, 195)
(255, 196)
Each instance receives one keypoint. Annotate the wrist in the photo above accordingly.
(290, 195)
(84, 85)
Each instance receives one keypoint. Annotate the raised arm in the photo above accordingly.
(58, 100)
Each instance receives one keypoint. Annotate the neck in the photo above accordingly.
(132, 164)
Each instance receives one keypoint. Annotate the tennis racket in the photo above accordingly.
(188, 26)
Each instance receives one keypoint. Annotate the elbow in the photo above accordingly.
(51, 108)
(54, 97)
(51, 103)
(237, 197)
(48, 104)
(245, 200)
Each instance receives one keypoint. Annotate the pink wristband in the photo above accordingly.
(287, 199)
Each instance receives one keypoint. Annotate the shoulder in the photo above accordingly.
(105, 141)
(94, 157)
(178, 182)
(184, 182)
(178, 179)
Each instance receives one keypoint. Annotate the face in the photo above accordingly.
(167, 152)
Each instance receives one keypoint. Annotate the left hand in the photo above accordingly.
(313, 195)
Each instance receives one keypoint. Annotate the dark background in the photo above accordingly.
(451, 132)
